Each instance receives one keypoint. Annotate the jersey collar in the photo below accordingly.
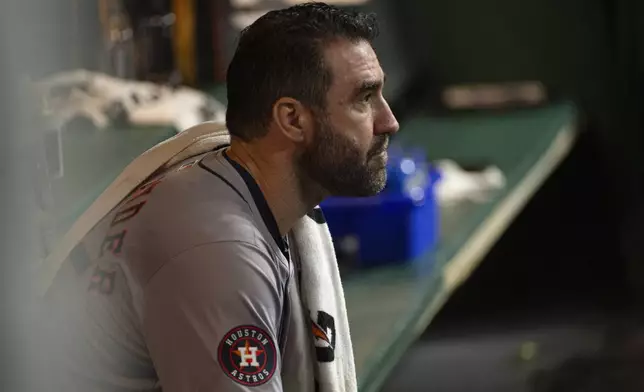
(261, 203)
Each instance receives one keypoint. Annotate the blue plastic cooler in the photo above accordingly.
(395, 226)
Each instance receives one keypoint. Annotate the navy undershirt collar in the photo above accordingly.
(262, 205)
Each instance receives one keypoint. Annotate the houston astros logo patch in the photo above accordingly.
(248, 355)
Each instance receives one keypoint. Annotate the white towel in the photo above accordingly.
(322, 289)
(320, 276)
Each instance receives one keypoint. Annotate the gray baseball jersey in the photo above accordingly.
(185, 286)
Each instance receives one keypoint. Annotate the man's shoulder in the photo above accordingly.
(173, 213)
(183, 217)
(194, 204)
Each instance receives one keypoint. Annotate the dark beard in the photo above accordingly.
(336, 167)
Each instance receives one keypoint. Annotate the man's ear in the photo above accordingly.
(292, 118)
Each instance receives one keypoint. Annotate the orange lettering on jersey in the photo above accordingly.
(186, 166)
(113, 243)
(102, 281)
(127, 214)
(145, 189)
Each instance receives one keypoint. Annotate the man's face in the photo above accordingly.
(347, 154)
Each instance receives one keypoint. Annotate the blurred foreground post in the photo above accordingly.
(28, 47)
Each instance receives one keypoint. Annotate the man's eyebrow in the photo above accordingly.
(370, 85)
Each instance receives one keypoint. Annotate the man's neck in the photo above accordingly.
(273, 172)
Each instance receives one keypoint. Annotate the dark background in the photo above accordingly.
(577, 244)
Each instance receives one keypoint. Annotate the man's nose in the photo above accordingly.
(386, 122)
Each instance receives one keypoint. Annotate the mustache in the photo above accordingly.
(380, 144)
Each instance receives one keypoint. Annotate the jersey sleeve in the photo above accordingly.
(211, 320)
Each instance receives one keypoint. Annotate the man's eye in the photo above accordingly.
(367, 97)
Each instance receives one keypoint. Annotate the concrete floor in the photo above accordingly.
(500, 357)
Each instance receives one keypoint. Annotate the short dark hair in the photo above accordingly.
(281, 54)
